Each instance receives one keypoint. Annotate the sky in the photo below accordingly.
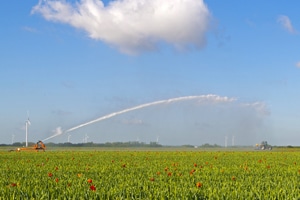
(172, 71)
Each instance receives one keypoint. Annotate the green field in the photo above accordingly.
(144, 174)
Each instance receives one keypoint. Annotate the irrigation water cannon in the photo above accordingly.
(38, 146)
(263, 146)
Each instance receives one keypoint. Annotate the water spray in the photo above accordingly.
(211, 97)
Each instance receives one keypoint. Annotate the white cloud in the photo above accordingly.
(133, 26)
(286, 23)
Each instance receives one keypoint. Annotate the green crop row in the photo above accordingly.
(149, 175)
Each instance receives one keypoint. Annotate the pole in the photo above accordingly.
(26, 125)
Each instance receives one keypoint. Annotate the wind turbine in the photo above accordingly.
(27, 123)
(69, 135)
(85, 139)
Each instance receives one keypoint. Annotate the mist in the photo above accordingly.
(192, 120)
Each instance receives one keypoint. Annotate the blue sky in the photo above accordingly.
(69, 62)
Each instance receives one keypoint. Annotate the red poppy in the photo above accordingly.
(13, 185)
(192, 171)
(166, 169)
(89, 180)
(233, 178)
(169, 174)
(152, 179)
(56, 180)
(158, 173)
(199, 184)
(56, 168)
(195, 164)
(92, 187)
(50, 174)
(124, 165)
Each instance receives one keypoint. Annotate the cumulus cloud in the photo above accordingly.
(286, 23)
(134, 26)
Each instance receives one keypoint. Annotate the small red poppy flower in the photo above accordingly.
(152, 179)
(195, 164)
(56, 180)
(199, 184)
(50, 174)
(56, 168)
(166, 169)
(13, 184)
(233, 178)
(158, 173)
(89, 180)
(124, 165)
(92, 187)
(169, 174)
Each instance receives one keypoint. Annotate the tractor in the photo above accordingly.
(38, 146)
(263, 146)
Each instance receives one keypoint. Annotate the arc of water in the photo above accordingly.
(210, 96)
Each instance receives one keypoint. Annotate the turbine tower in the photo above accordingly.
(85, 139)
(27, 123)
(69, 135)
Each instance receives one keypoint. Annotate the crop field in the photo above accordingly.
(150, 175)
